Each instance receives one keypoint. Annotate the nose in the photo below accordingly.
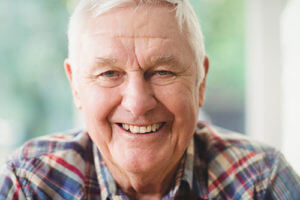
(138, 96)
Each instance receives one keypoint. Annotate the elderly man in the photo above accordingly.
(137, 69)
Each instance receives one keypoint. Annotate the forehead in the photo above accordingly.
(146, 28)
(135, 21)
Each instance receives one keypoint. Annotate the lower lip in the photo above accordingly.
(143, 134)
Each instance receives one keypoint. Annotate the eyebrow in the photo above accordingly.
(106, 60)
(155, 60)
(158, 60)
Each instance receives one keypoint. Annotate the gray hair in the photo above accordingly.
(185, 15)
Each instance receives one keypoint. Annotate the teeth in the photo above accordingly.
(153, 127)
(131, 128)
(149, 128)
(141, 129)
(135, 129)
(125, 126)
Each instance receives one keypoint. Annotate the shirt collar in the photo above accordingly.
(193, 172)
(184, 172)
(189, 164)
(106, 182)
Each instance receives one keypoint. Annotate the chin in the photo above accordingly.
(140, 161)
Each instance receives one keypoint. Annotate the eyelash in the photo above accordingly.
(110, 74)
(164, 72)
(156, 76)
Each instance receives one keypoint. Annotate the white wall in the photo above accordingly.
(290, 30)
(264, 70)
(273, 75)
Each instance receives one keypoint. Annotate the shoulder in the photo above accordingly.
(58, 144)
(239, 167)
(45, 162)
(230, 147)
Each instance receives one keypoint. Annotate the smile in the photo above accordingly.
(141, 129)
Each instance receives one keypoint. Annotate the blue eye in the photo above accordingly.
(161, 77)
(164, 73)
(111, 74)
(110, 78)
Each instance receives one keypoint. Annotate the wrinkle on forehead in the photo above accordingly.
(136, 35)
(109, 34)
(114, 43)
(151, 61)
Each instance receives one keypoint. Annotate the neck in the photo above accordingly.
(150, 185)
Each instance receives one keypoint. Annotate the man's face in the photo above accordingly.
(137, 87)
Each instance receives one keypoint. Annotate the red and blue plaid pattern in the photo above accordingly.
(215, 166)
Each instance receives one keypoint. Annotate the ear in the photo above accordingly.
(202, 86)
(69, 73)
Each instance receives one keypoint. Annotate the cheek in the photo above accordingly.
(97, 104)
(180, 100)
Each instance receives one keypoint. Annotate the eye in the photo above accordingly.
(109, 77)
(111, 74)
(161, 77)
(164, 73)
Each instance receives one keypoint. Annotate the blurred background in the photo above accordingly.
(252, 88)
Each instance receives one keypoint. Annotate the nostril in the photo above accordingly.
(138, 97)
(139, 105)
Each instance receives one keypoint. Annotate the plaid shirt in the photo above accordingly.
(214, 166)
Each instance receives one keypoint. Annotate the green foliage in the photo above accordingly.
(222, 22)
(33, 48)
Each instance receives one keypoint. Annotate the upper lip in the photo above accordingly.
(139, 124)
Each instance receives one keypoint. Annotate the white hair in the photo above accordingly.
(185, 15)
